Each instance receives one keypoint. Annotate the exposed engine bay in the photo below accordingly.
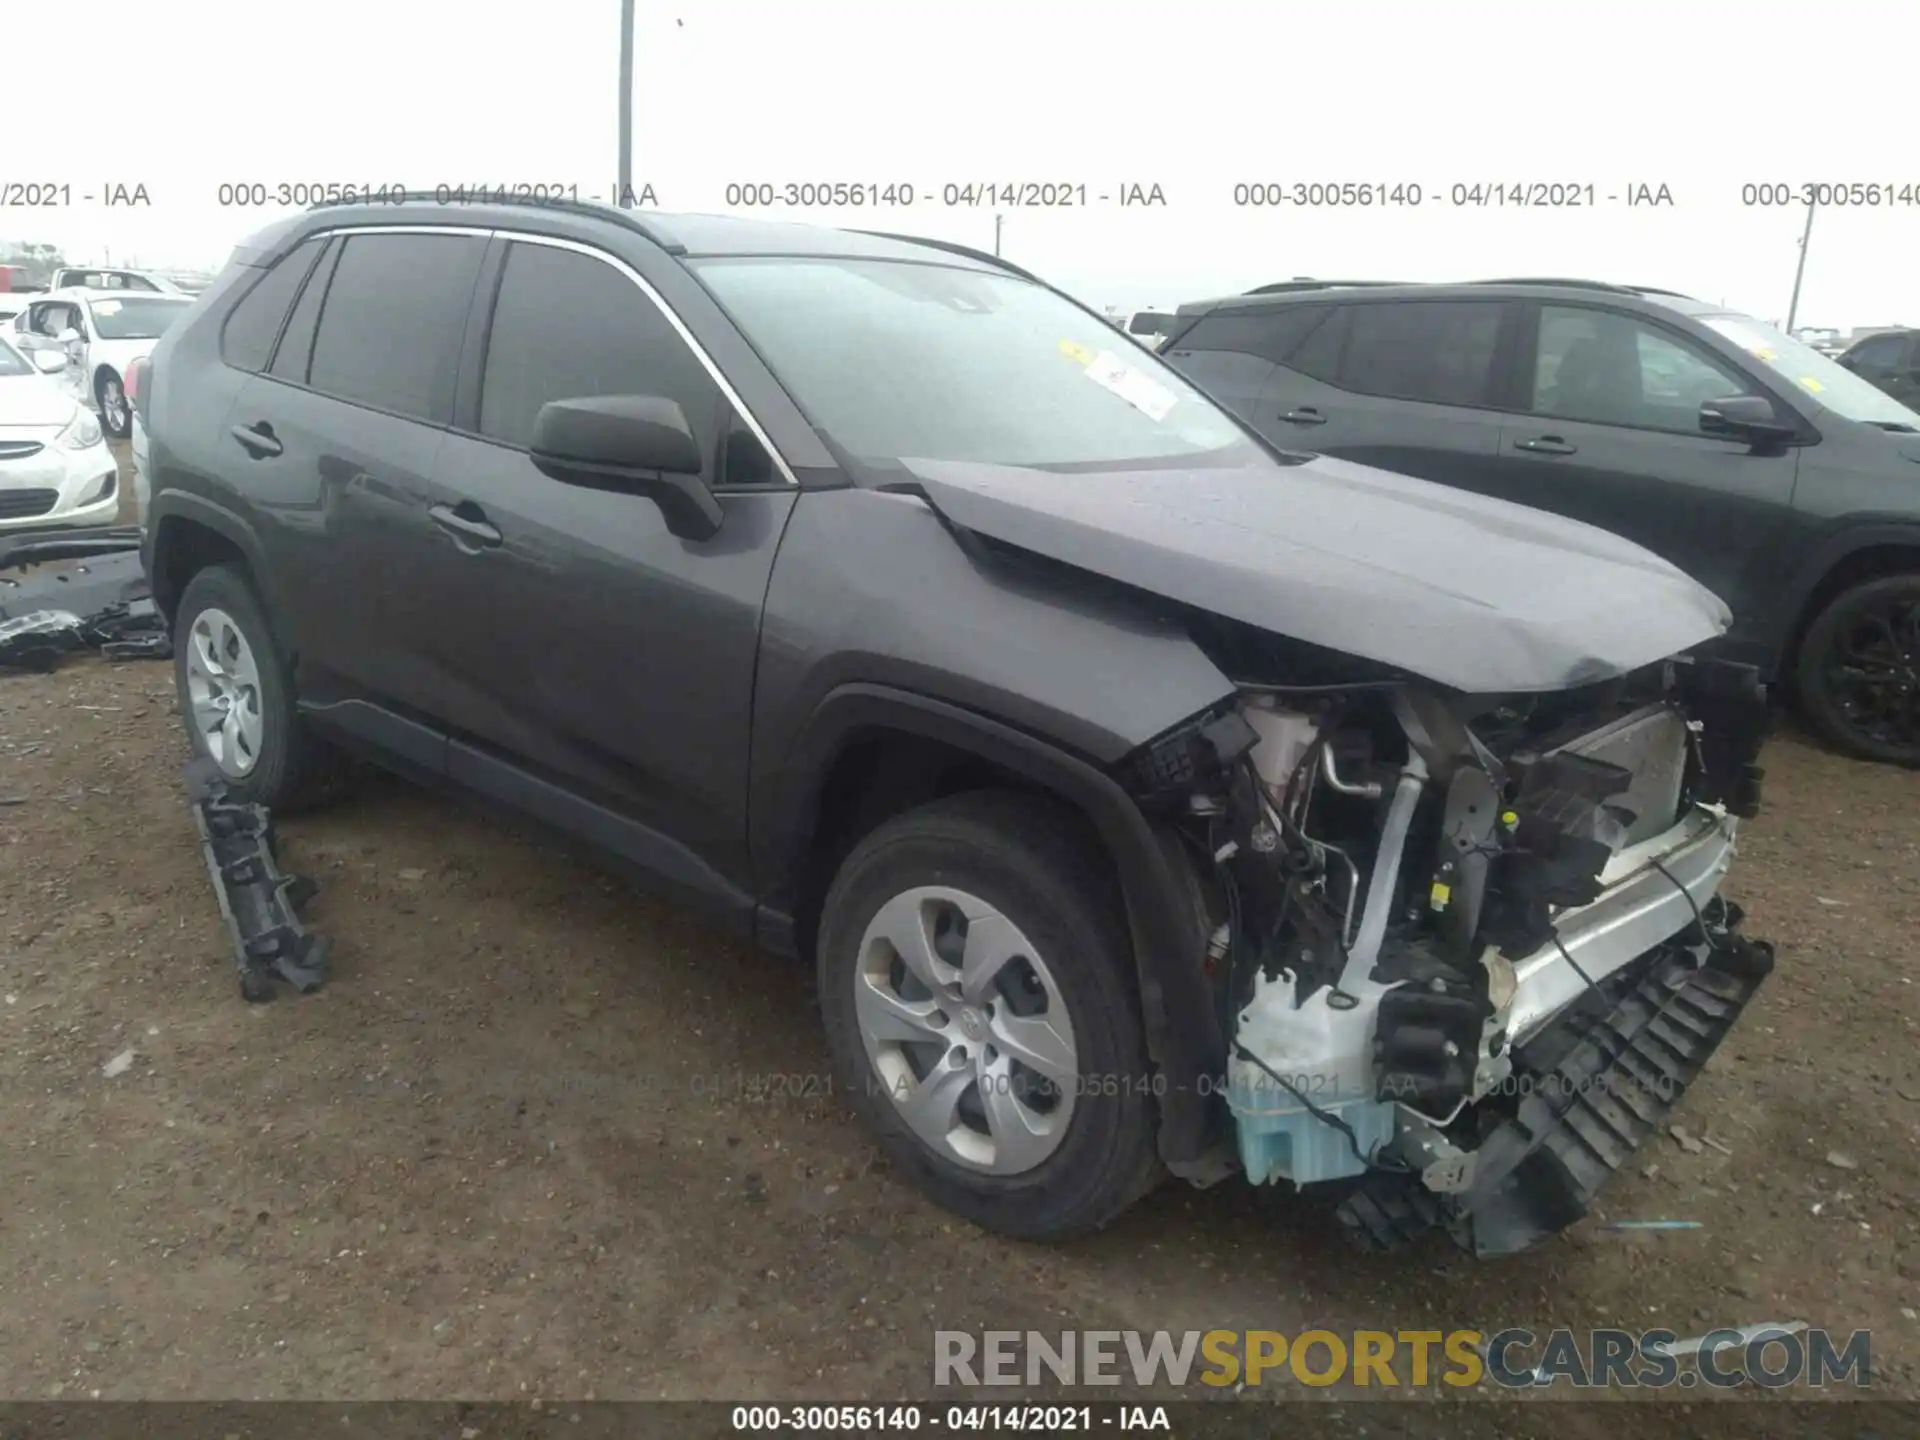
(1468, 951)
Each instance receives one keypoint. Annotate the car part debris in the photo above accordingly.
(258, 902)
(103, 603)
(1652, 1225)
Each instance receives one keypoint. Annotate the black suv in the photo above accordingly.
(1785, 484)
(1147, 799)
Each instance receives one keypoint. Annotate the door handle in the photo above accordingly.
(472, 526)
(258, 440)
(1547, 445)
(1305, 415)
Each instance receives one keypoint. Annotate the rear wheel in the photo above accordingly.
(1859, 670)
(116, 415)
(237, 698)
(975, 984)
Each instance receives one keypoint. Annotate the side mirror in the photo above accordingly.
(1750, 418)
(68, 336)
(635, 444)
(48, 362)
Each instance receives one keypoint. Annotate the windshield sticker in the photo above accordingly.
(1812, 384)
(1761, 352)
(106, 307)
(1147, 396)
(1075, 351)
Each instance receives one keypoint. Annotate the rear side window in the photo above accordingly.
(1319, 354)
(390, 329)
(1270, 333)
(246, 341)
(1439, 351)
(568, 326)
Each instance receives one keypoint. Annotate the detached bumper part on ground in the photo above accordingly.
(1474, 965)
(259, 903)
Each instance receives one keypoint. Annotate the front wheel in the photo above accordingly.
(976, 985)
(116, 415)
(1859, 671)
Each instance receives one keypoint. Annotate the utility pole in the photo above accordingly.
(1793, 305)
(996, 234)
(626, 104)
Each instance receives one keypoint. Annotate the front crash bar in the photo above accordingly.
(1644, 904)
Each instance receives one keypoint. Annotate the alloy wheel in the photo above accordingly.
(1872, 672)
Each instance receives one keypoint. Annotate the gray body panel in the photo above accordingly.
(1471, 593)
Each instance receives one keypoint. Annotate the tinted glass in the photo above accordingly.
(1319, 354)
(1272, 334)
(246, 341)
(1880, 350)
(567, 326)
(1440, 351)
(390, 331)
(1612, 369)
(296, 345)
(899, 361)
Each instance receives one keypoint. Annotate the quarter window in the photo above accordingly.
(1612, 369)
(246, 341)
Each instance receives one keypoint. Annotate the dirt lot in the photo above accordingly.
(511, 1150)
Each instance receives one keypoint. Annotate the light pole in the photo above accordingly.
(626, 104)
(1793, 305)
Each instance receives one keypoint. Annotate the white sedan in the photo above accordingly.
(55, 469)
(102, 332)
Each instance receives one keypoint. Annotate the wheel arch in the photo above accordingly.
(187, 533)
(1852, 557)
(868, 752)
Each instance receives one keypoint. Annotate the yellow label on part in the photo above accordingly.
(1440, 896)
(1812, 384)
(1074, 350)
(1509, 819)
(1760, 352)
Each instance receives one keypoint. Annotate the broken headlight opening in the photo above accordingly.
(1468, 951)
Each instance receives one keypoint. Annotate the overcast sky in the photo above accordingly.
(182, 96)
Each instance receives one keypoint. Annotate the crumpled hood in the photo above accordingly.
(1469, 592)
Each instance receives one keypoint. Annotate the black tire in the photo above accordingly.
(1029, 860)
(295, 770)
(124, 427)
(1835, 709)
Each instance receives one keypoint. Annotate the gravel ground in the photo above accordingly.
(513, 1149)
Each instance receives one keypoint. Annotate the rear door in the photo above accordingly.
(599, 668)
(338, 438)
(1406, 385)
(1611, 435)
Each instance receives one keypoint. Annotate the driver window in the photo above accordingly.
(1611, 369)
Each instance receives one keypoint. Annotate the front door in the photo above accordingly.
(601, 668)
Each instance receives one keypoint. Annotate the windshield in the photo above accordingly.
(144, 317)
(12, 362)
(1812, 373)
(896, 361)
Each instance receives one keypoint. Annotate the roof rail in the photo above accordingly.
(953, 247)
(1563, 281)
(598, 209)
(1283, 287)
(1656, 290)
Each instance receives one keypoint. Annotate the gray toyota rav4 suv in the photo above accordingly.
(1148, 798)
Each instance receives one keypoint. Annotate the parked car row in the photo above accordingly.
(1783, 481)
(102, 332)
(55, 468)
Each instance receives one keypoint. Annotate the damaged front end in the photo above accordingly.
(1469, 951)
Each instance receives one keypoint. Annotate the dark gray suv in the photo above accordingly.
(1787, 485)
(1148, 799)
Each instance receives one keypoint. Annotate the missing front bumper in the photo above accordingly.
(1599, 1086)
